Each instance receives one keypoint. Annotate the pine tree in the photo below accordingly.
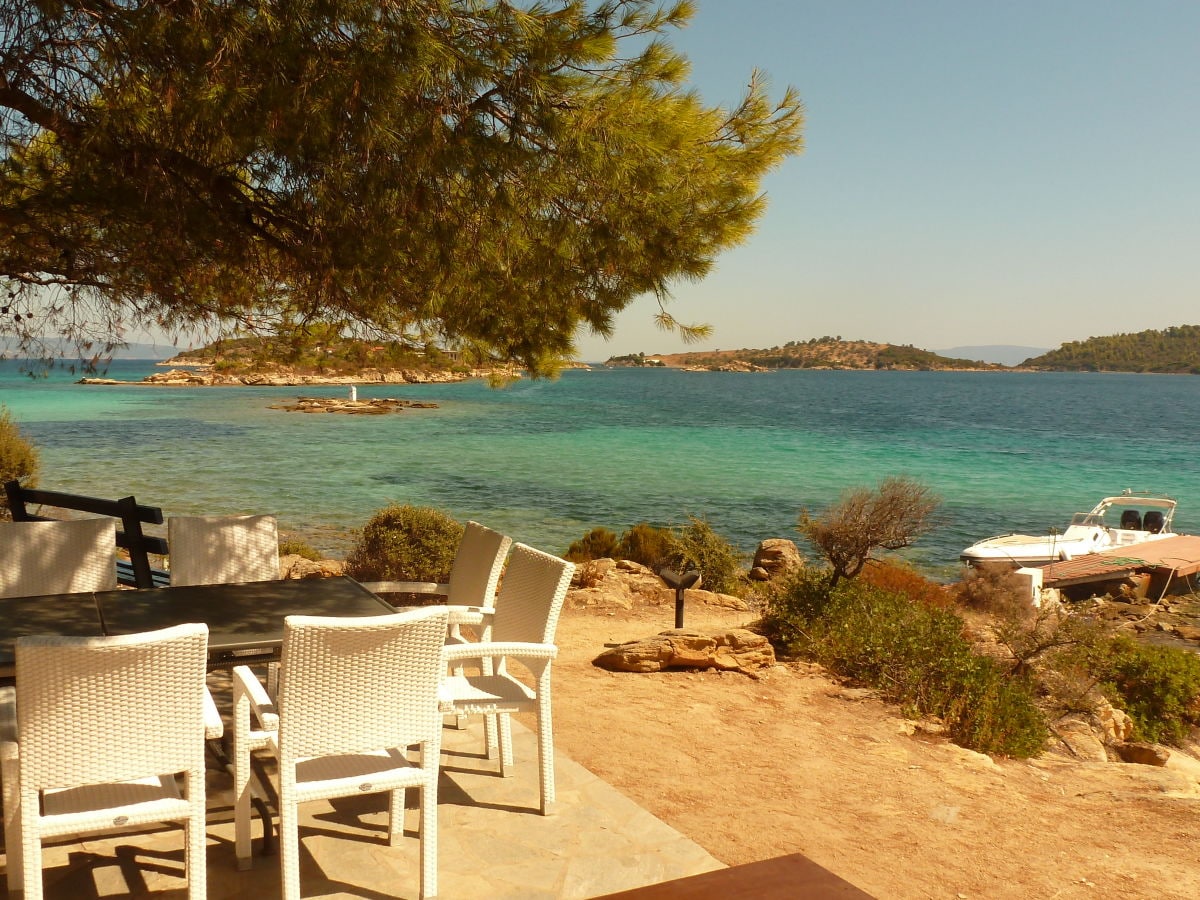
(476, 172)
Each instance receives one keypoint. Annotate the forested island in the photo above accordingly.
(1174, 350)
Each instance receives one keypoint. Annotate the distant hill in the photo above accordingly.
(1174, 350)
(1004, 354)
(67, 350)
(818, 353)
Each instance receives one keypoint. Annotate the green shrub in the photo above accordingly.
(697, 546)
(297, 547)
(916, 655)
(1159, 687)
(405, 543)
(646, 544)
(18, 458)
(795, 601)
(599, 543)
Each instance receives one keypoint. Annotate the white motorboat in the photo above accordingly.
(1142, 517)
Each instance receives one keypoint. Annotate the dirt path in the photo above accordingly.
(794, 762)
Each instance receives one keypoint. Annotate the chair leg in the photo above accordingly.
(31, 847)
(430, 756)
(194, 830)
(289, 846)
(491, 738)
(545, 737)
(9, 773)
(506, 751)
(241, 782)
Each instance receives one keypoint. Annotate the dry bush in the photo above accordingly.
(599, 543)
(903, 579)
(588, 574)
(864, 520)
(997, 590)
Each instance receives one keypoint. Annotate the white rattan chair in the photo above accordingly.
(102, 727)
(469, 592)
(222, 549)
(57, 557)
(527, 609)
(474, 573)
(354, 695)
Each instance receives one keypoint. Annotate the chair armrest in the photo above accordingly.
(470, 615)
(262, 705)
(213, 726)
(405, 587)
(516, 649)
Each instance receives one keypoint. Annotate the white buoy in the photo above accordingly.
(353, 394)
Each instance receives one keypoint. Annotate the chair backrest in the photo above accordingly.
(57, 557)
(531, 596)
(223, 549)
(108, 709)
(357, 684)
(477, 566)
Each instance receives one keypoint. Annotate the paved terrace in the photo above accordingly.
(491, 842)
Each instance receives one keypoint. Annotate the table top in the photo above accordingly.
(72, 615)
(240, 617)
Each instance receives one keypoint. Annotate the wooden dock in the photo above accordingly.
(1173, 557)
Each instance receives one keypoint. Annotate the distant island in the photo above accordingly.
(817, 353)
(1174, 350)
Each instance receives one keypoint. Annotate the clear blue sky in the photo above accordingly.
(975, 173)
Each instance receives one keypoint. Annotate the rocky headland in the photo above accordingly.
(208, 376)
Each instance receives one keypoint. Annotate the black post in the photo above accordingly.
(681, 583)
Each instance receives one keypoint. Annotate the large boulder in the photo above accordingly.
(777, 556)
(735, 650)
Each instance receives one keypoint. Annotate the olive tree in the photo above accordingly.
(483, 174)
(889, 517)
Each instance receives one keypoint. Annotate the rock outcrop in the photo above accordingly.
(623, 584)
(294, 566)
(374, 407)
(735, 650)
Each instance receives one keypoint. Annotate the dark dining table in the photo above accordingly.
(245, 621)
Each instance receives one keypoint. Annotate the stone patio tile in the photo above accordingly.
(493, 844)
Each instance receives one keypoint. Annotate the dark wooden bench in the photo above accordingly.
(135, 571)
(792, 877)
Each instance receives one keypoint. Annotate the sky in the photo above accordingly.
(974, 174)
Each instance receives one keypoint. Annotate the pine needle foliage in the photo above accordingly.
(18, 458)
(485, 174)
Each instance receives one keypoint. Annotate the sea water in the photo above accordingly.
(546, 461)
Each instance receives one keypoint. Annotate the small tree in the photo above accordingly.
(697, 546)
(890, 517)
(405, 543)
(18, 458)
(647, 544)
(599, 543)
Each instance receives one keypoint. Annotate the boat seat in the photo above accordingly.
(1131, 519)
(1153, 521)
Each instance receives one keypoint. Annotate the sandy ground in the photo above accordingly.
(752, 769)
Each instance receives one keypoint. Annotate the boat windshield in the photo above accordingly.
(1087, 519)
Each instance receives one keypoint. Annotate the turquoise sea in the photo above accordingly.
(548, 460)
